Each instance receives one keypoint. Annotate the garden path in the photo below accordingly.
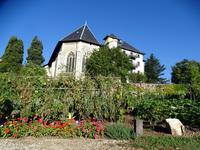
(49, 143)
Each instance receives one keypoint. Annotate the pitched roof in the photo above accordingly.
(126, 46)
(123, 44)
(112, 36)
(81, 34)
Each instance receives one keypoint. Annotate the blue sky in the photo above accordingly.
(168, 28)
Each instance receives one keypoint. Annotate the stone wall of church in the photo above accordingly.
(84, 50)
(79, 49)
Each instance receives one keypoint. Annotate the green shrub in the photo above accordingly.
(157, 110)
(137, 78)
(55, 98)
(119, 131)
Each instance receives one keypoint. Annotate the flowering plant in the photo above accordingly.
(37, 126)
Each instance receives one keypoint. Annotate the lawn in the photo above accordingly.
(166, 143)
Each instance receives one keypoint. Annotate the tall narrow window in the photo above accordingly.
(70, 63)
(84, 63)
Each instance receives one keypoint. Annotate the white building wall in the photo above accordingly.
(111, 42)
(138, 62)
(80, 49)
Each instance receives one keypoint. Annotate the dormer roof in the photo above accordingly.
(123, 44)
(112, 36)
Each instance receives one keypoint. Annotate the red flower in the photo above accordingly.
(81, 123)
(57, 122)
(40, 120)
(94, 123)
(95, 136)
(25, 119)
(7, 130)
(45, 122)
(19, 119)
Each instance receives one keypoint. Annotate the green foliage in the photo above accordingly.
(166, 142)
(32, 69)
(137, 78)
(108, 62)
(57, 97)
(184, 71)
(8, 95)
(157, 110)
(154, 70)
(119, 131)
(188, 72)
(13, 56)
(35, 52)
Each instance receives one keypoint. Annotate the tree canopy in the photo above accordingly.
(13, 56)
(154, 70)
(35, 52)
(185, 71)
(107, 62)
(188, 72)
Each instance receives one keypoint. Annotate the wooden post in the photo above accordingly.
(138, 127)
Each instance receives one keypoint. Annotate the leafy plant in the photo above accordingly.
(119, 131)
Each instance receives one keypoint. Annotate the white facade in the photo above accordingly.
(136, 58)
(80, 49)
(70, 56)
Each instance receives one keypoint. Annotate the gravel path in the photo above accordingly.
(31, 143)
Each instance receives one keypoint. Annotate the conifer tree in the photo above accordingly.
(35, 52)
(154, 70)
(13, 56)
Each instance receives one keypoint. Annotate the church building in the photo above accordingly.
(70, 53)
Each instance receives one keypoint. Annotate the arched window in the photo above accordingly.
(84, 63)
(70, 67)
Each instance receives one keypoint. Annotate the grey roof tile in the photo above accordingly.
(112, 36)
(82, 34)
(126, 46)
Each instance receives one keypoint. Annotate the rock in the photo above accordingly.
(175, 126)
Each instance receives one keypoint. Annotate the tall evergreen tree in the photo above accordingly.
(154, 70)
(13, 56)
(35, 52)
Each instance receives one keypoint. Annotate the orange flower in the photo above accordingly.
(7, 130)
(15, 135)
(14, 122)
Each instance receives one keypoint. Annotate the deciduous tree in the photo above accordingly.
(107, 62)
